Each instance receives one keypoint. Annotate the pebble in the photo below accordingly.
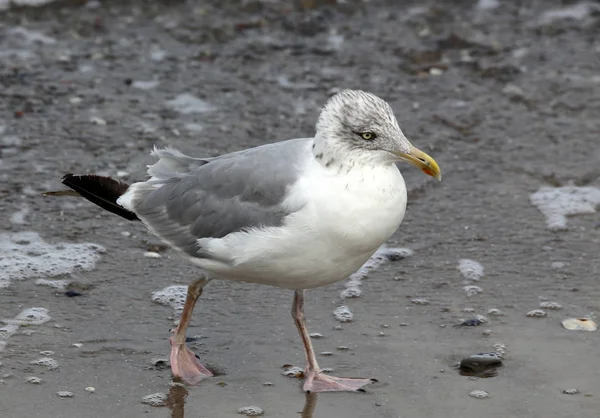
(470, 323)
(34, 380)
(570, 391)
(268, 384)
(46, 353)
(495, 312)
(579, 324)
(479, 394)
(78, 345)
(487, 332)
(151, 254)
(64, 394)
(316, 335)
(343, 348)
(480, 365)
(251, 411)
(537, 313)
(468, 310)
(326, 353)
(551, 305)
(90, 389)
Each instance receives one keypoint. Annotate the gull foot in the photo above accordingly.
(319, 382)
(185, 364)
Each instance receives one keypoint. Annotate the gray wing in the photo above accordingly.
(190, 198)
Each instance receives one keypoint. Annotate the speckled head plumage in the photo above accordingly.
(360, 126)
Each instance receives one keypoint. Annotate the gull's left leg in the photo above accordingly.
(316, 380)
(184, 362)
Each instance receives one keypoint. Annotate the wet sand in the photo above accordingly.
(504, 98)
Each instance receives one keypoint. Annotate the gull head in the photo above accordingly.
(354, 121)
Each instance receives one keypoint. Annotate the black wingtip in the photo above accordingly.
(102, 191)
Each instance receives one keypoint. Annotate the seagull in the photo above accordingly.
(297, 214)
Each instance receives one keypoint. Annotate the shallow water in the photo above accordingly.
(504, 96)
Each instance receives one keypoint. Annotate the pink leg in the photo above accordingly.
(184, 363)
(316, 381)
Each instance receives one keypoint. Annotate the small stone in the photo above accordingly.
(90, 389)
(160, 362)
(343, 348)
(475, 322)
(385, 326)
(126, 234)
(326, 353)
(420, 301)
(468, 310)
(77, 345)
(64, 394)
(579, 324)
(570, 391)
(47, 353)
(435, 71)
(316, 335)
(268, 384)
(151, 254)
(551, 305)
(537, 313)
(479, 394)
(381, 334)
(251, 411)
(34, 380)
(338, 328)
(480, 365)
(403, 324)
(487, 332)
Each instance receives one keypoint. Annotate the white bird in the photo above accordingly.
(296, 214)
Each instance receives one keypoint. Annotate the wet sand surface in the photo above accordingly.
(505, 96)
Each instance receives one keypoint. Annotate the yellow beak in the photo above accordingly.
(421, 160)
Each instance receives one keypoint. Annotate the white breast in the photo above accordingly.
(345, 218)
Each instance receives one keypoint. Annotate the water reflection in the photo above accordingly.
(176, 400)
(178, 392)
(309, 405)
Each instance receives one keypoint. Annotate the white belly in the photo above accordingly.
(344, 220)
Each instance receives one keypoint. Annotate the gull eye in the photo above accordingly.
(368, 136)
